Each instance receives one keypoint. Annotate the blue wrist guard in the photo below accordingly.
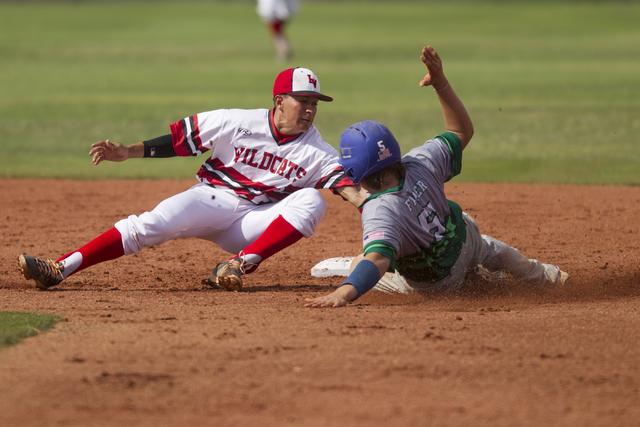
(363, 277)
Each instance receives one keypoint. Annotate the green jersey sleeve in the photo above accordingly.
(455, 146)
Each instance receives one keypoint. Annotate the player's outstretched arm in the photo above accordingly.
(456, 118)
(115, 151)
(365, 273)
(354, 194)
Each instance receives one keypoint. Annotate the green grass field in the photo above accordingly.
(553, 88)
(14, 327)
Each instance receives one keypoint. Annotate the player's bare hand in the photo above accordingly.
(330, 301)
(354, 194)
(107, 150)
(337, 298)
(435, 77)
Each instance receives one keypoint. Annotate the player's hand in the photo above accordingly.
(330, 300)
(435, 77)
(337, 298)
(356, 195)
(107, 150)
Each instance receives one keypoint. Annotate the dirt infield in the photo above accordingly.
(144, 343)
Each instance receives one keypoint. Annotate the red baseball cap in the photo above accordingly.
(299, 82)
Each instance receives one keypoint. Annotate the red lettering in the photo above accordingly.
(301, 173)
(246, 153)
(238, 151)
(313, 81)
(273, 165)
(282, 168)
(292, 166)
(253, 154)
(267, 158)
(271, 162)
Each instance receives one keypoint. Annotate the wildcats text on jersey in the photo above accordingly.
(269, 161)
(253, 161)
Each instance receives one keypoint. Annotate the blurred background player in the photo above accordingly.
(409, 227)
(276, 14)
(257, 193)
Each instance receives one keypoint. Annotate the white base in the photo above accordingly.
(332, 267)
(389, 283)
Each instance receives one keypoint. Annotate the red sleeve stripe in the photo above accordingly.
(177, 135)
(186, 137)
(337, 178)
(344, 182)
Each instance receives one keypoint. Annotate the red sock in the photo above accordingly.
(105, 247)
(278, 235)
(276, 27)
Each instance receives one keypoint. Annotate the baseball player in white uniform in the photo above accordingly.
(410, 230)
(258, 190)
(276, 14)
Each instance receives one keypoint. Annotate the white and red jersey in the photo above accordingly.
(250, 158)
(277, 10)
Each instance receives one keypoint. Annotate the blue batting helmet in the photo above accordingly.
(367, 147)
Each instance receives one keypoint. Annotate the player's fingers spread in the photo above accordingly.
(318, 304)
(434, 58)
(430, 63)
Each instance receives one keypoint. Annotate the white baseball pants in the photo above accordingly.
(219, 216)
